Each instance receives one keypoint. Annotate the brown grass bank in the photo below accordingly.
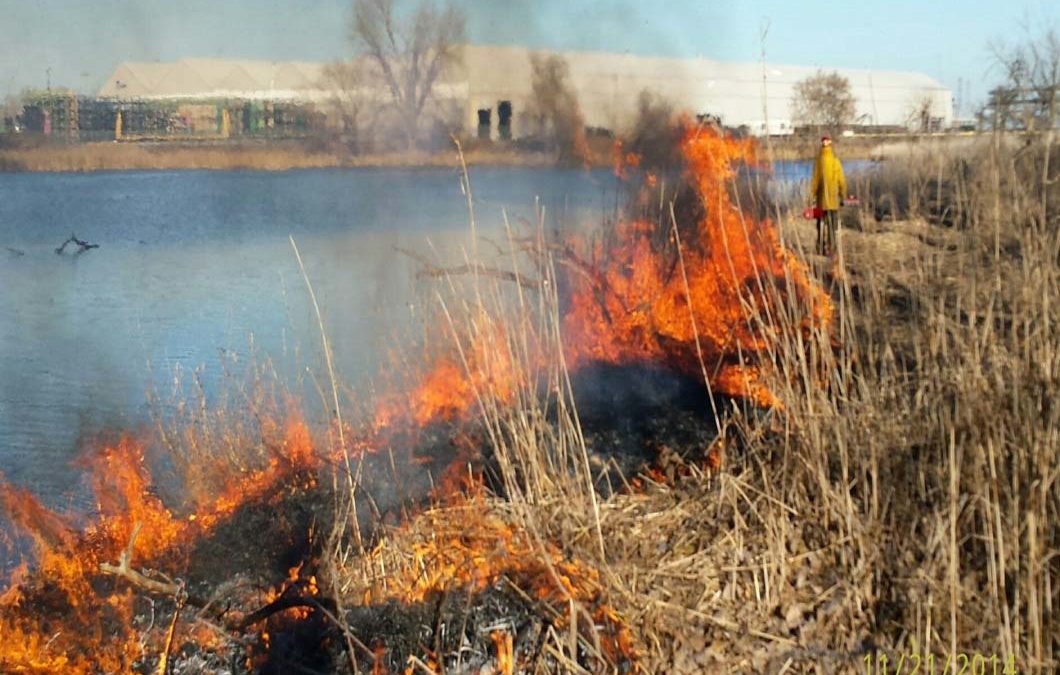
(135, 156)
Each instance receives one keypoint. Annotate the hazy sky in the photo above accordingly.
(83, 40)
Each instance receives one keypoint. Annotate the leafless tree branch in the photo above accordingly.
(824, 100)
(409, 54)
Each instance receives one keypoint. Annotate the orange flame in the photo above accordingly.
(640, 309)
(453, 387)
(65, 616)
(502, 641)
(643, 296)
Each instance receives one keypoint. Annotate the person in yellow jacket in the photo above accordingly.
(827, 189)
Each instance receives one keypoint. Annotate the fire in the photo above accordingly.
(453, 387)
(502, 640)
(65, 616)
(639, 306)
(307, 586)
(699, 296)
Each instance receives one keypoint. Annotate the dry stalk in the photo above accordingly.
(351, 481)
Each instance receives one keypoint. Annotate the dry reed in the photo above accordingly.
(903, 502)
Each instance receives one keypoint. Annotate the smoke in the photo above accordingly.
(655, 134)
(551, 24)
(555, 108)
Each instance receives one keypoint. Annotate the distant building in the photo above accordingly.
(215, 98)
(51, 113)
(490, 91)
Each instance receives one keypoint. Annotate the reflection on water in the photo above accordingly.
(192, 264)
(791, 179)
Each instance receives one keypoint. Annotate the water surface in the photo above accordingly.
(195, 265)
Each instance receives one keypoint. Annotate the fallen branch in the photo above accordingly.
(15, 251)
(124, 570)
(82, 245)
(286, 601)
(431, 270)
(139, 580)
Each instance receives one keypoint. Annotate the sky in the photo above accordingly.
(78, 43)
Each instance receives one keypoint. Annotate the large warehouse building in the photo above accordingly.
(494, 82)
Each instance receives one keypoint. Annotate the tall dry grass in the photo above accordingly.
(915, 463)
(131, 157)
(905, 499)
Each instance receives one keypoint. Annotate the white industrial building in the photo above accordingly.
(202, 79)
(608, 86)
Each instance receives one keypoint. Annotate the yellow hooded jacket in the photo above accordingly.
(829, 185)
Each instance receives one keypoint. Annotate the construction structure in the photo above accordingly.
(489, 92)
(52, 112)
(215, 99)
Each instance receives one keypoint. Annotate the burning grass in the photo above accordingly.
(549, 608)
(89, 601)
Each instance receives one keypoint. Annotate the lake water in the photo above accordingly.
(790, 178)
(195, 265)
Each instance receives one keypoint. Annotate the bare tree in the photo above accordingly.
(921, 115)
(1027, 99)
(823, 101)
(555, 106)
(350, 98)
(410, 52)
(10, 110)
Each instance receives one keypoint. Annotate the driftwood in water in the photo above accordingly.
(17, 252)
(81, 244)
(430, 270)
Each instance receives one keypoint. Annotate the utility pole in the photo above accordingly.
(960, 96)
(872, 95)
(765, 103)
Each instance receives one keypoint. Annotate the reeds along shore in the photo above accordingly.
(904, 501)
